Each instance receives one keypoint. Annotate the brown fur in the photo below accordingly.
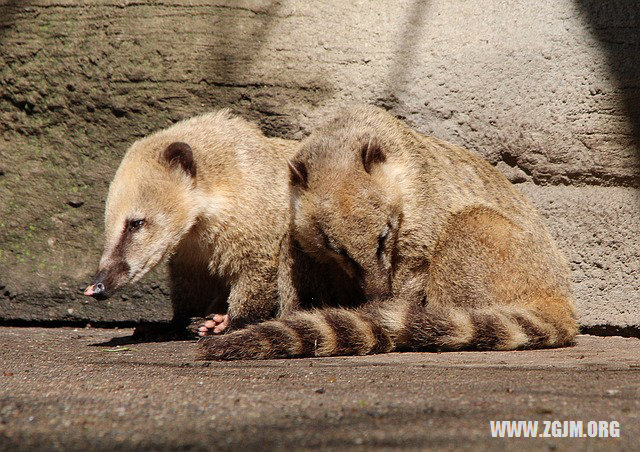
(213, 193)
(448, 254)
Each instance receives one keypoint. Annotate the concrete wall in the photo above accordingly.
(547, 90)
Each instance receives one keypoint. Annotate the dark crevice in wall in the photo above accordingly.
(68, 323)
(610, 330)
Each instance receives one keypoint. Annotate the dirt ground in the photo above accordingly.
(75, 389)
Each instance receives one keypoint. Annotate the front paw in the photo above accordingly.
(214, 324)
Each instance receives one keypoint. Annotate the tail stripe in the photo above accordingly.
(309, 337)
(349, 338)
(488, 331)
(426, 330)
(554, 329)
(282, 341)
(463, 329)
(382, 343)
(246, 345)
(325, 338)
(536, 333)
(515, 337)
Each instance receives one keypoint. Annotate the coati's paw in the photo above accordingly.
(214, 325)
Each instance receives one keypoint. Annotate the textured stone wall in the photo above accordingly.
(548, 91)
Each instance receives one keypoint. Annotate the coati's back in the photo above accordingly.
(228, 148)
(437, 179)
(433, 170)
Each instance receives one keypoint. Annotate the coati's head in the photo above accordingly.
(347, 207)
(148, 210)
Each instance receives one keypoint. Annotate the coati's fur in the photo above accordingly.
(210, 194)
(448, 253)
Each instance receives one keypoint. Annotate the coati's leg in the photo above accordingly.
(195, 293)
(253, 298)
(290, 263)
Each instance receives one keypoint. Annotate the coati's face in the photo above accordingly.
(148, 210)
(347, 209)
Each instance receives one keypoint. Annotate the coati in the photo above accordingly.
(449, 255)
(210, 194)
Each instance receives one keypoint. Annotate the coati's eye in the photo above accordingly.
(134, 225)
(342, 252)
(329, 244)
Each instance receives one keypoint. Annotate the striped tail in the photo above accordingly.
(324, 332)
(333, 332)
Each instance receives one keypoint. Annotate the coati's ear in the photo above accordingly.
(371, 153)
(298, 175)
(180, 155)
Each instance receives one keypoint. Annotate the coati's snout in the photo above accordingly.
(146, 214)
(97, 291)
(107, 281)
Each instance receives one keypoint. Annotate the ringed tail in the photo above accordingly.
(335, 331)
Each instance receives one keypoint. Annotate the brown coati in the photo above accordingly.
(210, 194)
(448, 253)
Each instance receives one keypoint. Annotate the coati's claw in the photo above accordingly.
(215, 325)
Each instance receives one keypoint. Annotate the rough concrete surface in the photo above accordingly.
(598, 229)
(545, 90)
(66, 389)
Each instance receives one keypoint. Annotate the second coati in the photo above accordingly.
(449, 255)
(211, 195)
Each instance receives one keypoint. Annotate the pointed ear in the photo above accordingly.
(180, 155)
(298, 175)
(371, 153)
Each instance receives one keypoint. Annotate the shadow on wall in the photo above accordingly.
(241, 81)
(616, 24)
(239, 37)
(406, 52)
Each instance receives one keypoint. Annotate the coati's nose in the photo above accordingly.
(97, 290)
